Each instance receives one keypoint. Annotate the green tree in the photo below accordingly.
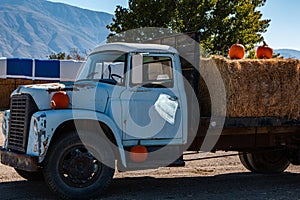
(142, 13)
(59, 56)
(220, 22)
(76, 55)
(73, 55)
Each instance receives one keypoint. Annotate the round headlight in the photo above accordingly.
(4, 126)
(35, 127)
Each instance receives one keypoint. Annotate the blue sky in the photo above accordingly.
(284, 29)
(284, 14)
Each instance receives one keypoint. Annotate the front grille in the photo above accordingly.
(22, 108)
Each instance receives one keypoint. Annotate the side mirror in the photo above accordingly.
(137, 68)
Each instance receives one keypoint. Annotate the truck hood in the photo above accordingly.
(82, 95)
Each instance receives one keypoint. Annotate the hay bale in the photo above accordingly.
(7, 81)
(42, 81)
(7, 86)
(23, 82)
(6, 90)
(256, 88)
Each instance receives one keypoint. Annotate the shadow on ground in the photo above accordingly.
(227, 186)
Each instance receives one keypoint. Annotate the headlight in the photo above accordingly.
(35, 126)
(4, 126)
(5, 121)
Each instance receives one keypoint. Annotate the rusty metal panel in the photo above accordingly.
(19, 161)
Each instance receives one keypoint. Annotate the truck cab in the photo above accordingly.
(126, 97)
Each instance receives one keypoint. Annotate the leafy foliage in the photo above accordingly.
(251, 54)
(73, 55)
(220, 22)
(58, 56)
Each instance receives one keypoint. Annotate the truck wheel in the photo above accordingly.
(244, 160)
(72, 169)
(294, 156)
(268, 162)
(30, 176)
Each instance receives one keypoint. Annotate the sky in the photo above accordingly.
(283, 31)
(284, 28)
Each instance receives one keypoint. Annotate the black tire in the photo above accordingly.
(71, 169)
(294, 156)
(268, 162)
(31, 176)
(244, 160)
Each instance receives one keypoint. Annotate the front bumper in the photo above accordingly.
(19, 161)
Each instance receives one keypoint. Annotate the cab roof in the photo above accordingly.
(134, 47)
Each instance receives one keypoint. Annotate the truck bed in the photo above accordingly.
(247, 122)
(239, 134)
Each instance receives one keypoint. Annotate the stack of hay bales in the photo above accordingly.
(255, 88)
(9, 85)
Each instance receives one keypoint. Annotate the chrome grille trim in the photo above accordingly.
(22, 107)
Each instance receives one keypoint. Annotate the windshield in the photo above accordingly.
(106, 67)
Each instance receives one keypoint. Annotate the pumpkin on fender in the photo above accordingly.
(60, 100)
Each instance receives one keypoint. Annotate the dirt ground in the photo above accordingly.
(220, 178)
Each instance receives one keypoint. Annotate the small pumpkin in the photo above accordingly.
(237, 51)
(60, 100)
(138, 153)
(264, 51)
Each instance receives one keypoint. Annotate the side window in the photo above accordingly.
(156, 72)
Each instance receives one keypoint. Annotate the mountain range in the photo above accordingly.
(288, 53)
(36, 28)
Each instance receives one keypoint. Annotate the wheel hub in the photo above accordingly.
(82, 166)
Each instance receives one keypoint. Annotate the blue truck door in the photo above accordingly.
(151, 105)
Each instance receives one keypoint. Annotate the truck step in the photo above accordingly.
(178, 163)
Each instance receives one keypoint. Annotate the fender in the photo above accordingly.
(44, 124)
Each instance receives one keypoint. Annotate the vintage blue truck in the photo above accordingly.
(131, 108)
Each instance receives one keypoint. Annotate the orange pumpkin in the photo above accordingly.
(264, 51)
(60, 100)
(138, 153)
(237, 51)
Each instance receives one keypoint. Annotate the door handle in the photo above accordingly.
(173, 98)
(140, 90)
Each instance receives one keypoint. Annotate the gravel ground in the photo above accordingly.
(220, 178)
